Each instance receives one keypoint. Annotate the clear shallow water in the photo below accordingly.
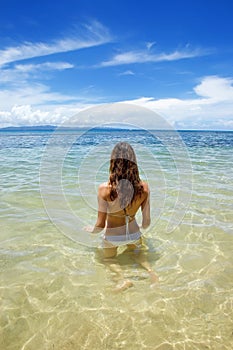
(57, 293)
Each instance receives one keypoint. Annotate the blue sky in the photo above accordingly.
(173, 57)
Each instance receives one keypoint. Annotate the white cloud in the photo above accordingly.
(215, 87)
(145, 56)
(211, 108)
(95, 34)
(21, 115)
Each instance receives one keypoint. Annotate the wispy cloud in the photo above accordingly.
(43, 66)
(94, 34)
(32, 94)
(150, 44)
(20, 73)
(127, 72)
(145, 56)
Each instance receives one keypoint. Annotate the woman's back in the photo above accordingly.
(117, 218)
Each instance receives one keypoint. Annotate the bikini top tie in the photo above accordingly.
(127, 220)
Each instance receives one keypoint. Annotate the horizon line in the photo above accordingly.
(49, 127)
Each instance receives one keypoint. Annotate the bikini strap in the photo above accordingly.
(127, 217)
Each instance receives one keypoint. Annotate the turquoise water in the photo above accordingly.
(57, 293)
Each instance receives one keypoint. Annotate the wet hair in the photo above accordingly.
(124, 175)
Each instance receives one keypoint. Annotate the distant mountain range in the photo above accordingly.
(30, 128)
(53, 128)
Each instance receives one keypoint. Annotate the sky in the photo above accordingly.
(172, 57)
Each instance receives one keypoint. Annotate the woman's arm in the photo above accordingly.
(102, 211)
(145, 207)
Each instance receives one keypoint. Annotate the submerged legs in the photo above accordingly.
(111, 261)
(140, 257)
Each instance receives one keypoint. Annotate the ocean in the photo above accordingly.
(56, 290)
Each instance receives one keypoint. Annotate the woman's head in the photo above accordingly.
(124, 175)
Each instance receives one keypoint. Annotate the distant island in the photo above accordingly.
(52, 128)
(30, 128)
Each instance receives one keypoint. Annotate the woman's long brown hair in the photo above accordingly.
(124, 175)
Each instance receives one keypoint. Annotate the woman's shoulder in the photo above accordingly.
(104, 190)
(145, 186)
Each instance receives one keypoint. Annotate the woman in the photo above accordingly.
(118, 202)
